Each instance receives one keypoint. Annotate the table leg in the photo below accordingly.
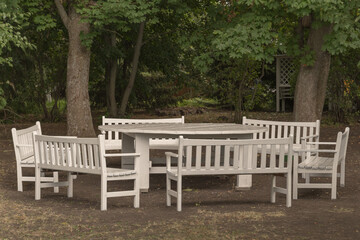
(244, 182)
(142, 147)
(127, 147)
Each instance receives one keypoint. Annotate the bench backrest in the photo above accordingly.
(113, 138)
(23, 141)
(204, 156)
(280, 129)
(84, 155)
(341, 144)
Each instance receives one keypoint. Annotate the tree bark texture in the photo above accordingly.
(311, 82)
(79, 119)
(134, 66)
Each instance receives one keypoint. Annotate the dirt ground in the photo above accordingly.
(212, 209)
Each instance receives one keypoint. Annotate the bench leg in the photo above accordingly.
(56, 179)
(137, 194)
(103, 193)
(333, 184)
(168, 188)
(71, 185)
(19, 178)
(273, 192)
(179, 193)
(37, 183)
(288, 188)
(342, 174)
(295, 177)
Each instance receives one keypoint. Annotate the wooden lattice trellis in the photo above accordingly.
(284, 71)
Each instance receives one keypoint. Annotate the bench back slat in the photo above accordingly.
(250, 155)
(71, 154)
(279, 129)
(23, 143)
(111, 135)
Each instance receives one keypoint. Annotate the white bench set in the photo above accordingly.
(275, 151)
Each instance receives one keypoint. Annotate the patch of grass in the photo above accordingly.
(198, 102)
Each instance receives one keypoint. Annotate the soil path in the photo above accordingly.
(211, 207)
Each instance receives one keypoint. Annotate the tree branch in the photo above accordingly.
(62, 13)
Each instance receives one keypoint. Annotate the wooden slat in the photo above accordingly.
(226, 156)
(51, 153)
(272, 155)
(57, 154)
(46, 150)
(282, 156)
(237, 163)
(292, 130)
(198, 157)
(78, 156)
(279, 131)
(68, 155)
(254, 156)
(272, 131)
(84, 155)
(286, 128)
(188, 157)
(267, 132)
(263, 156)
(62, 154)
(208, 157)
(245, 155)
(297, 137)
(73, 154)
(96, 156)
(217, 157)
(90, 156)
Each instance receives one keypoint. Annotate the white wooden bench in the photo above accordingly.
(81, 155)
(24, 155)
(309, 131)
(315, 165)
(229, 157)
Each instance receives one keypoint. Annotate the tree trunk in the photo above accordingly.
(112, 80)
(134, 64)
(239, 101)
(79, 119)
(311, 82)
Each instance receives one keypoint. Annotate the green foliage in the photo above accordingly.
(11, 36)
(344, 86)
(117, 16)
(198, 102)
(2, 99)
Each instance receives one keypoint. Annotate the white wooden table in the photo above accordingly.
(135, 138)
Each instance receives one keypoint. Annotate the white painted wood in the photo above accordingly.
(244, 161)
(315, 165)
(173, 130)
(82, 155)
(298, 129)
(24, 155)
(113, 140)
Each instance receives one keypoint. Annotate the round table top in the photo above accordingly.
(184, 128)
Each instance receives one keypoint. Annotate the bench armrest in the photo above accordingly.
(308, 137)
(321, 143)
(122, 155)
(315, 150)
(24, 145)
(171, 154)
